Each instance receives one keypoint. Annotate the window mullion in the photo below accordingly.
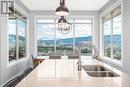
(17, 40)
(92, 30)
(102, 37)
(55, 38)
(26, 39)
(73, 35)
(111, 37)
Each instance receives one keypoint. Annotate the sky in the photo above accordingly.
(21, 27)
(47, 31)
(116, 26)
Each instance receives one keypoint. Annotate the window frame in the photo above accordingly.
(17, 39)
(37, 36)
(73, 24)
(109, 10)
(25, 39)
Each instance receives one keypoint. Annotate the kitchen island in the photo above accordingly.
(64, 73)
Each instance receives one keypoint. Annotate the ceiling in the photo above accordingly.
(71, 4)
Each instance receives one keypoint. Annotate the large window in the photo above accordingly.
(107, 38)
(12, 39)
(83, 35)
(49, 39)
(45, 35)
(21, 38)
(17, 37)
(64, 42)
(112, 34)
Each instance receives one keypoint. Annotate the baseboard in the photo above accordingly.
(14, 76)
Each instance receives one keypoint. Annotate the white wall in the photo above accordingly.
(8, 71)
(50, 14)
(0, 47)
(126, 35)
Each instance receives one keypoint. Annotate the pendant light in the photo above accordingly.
(62, 10)
(63, 25)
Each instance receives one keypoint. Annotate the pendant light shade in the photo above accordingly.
(63, 26)
(62, 10)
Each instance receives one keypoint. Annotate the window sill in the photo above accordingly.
(14, 62)
(112, 61)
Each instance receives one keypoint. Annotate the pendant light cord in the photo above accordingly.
(62, 2)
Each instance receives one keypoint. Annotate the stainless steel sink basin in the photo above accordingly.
(103, 74)
(99, 71)
(94, 68)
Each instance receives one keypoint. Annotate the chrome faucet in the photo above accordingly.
(95, 55)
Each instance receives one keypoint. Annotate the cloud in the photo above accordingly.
(47, 31)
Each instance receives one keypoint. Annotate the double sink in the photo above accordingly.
(99, 71)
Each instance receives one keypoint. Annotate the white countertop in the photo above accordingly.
(64, 73)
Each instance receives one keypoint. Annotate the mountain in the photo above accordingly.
(12, 38)
(117, 40)
(67, 41)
